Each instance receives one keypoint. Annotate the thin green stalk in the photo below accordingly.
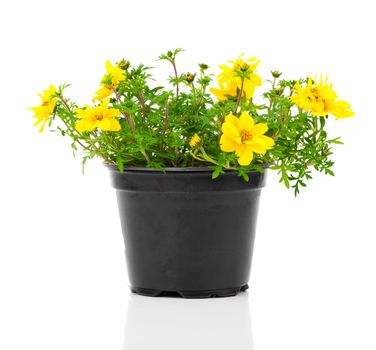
(240, 95)
(201, 97)
(71, 130)
(141, 99)
(125, 115)
(176, 76)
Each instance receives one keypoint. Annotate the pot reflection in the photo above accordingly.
(179, 324)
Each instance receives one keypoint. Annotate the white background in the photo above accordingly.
(63, 281)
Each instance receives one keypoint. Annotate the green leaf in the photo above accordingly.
(120, 163)
(258, 168)
(218, 170)
(336, 141)
(245, 176)
(329, 172)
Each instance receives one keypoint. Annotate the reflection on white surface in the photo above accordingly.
(176, 323)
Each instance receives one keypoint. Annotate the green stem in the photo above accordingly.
(194, 93)
(145, 155)
(125, 115)
(176, 76)
(141, 99)
(110, 141)
(165, 118)
(71, 130)
(201, 97)
(240, 95)
(98, 147)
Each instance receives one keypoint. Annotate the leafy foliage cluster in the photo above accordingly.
(157, 124)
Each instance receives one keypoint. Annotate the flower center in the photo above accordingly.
(242, 66)
(99, 117)
(245, 135)
(315, 93)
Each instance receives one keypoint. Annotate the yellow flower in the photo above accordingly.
(103, 92)
(230, 79)
(320, 99)
(195, 140)
(244, 137)
(114, 75)
(99, 116)
(225, 91)
(43, 112)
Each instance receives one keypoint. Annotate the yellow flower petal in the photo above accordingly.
(231, 132)
(342, 109)
(227, 144)
(268, 141)
(218, 94)
(112, 112)
(85, 125)
(42, 126)
(232, 120)
(245, 154)
(115, 125)
(260, 129)
(246, 122)
(109, 67)
(102, 93)
(256, 79)
(248, 88)
(81, 113)
(258, 147)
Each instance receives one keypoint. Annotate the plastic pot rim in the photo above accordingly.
(175, 169)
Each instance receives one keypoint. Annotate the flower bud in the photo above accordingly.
(189, 78)
(195, 141)
(203, 66)
(124, 64)
(276, 73)
(279, 91)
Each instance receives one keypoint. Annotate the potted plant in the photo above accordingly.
(188, 162)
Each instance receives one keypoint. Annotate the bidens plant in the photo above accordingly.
(133, 122)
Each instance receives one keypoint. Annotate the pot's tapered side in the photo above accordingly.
(186, 233)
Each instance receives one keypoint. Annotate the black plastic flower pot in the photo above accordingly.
(186, 234)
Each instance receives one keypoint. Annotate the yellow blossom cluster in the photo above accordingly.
(110, 81)
(46, 108)
(89, 118)
(99, 116)
(319, 98)
(240, 77)
(244, 137)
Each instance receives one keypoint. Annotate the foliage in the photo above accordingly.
(133, 122)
